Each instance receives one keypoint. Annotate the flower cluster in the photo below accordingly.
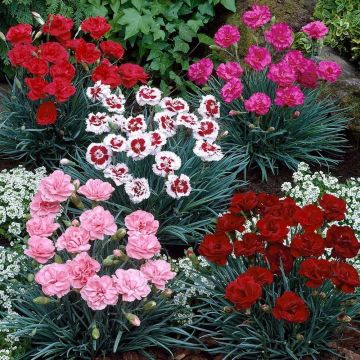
(52, 57)
(277, 238)
(83, 270)
(138, 136)
(292, 73)
(17, 187)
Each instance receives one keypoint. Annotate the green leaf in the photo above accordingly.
(133, 21)
(229, 4)
(139, 4)
(205, 39)
(181, 45)
(186, 33)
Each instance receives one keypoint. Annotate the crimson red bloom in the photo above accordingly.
(308, 244)
(130, 74)
(334, 208)
(96, 26)
(61, 89)
(37, 87)
(230, 222)
(345, 277)
(291, 307)
(310, 217)
(87, 53)
(243, 202)
(277, 254)
(266, 201)
(53, 52)
(243, 292)
(316, 271)
(216, 248)
(112, 48)
(289, 209)
(59, 26)
(272, 228)
(46, 113)
(36, 66)
(63, 70)
(21, 53)
(107, 74)
(343, 241)
(250, 245)
(19, 34)
(73, 44)
(261, 275)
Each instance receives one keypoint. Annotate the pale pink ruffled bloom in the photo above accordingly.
(142, 246)
(74, 240)
(98, 222)
(229, 70)
(131, 284)
(280, 36)
(329, 70)
(259, 103)
(281, 74)
(39, 207)
(315, 30)
(56, 187)
(99, 292)
(289, 96)
(96, 190)
(141, 222)
(232, 90)
(40, 249)
(258, 57)
(81, 269)
(54, 279)
(258, 16)
(41, 226)
(200, 71)
(226, 36)
(158, 272)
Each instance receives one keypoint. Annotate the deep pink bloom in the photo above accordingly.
(142, 246)
(74, 240)
(280, 36)
(329, 70)
(258, 57)
(281, 74)
(158, 272)
(54, 279)
(99, 292)
(226, 36)
(56, 187)
(308, 74)
(39, 207)
(232, 90)
(258, 16)
(98, 222)
(200, 72)
(41, 226)
(96, 190)
(41, 249)
(259, 103)
(141, 222)
(290, 96)
(295, 59)
(315, 29)
(229, 70)
(131, 284)
(81, 269)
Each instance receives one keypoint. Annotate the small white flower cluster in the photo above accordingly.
(12, 265)
(141, 135)
(17, 187)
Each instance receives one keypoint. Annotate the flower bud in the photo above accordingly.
(95, 333)
(58, 259)
(117, 252)
(67, 223)
(77, 184)
(224, 133)
(108, 261)
(299, 337)
(133, 319)
(167, 293)
(38, 18)
(150, 305)
(344, 318)
(30, 278)
(251, 126)
(352, 302)
(27, 217)
(215, 47)
(191, 255)
(265, 308)
(120, 234)
(17, 83)
(228, 309)
(296, 114)
(206, 88)
(2, 36)
(38, 34)
(248, 311)
(77, 201)
(42, 300)
(66, 161)
(75, 222)
(271, 129)
(234, 112)
(23, 128)
(322, 295)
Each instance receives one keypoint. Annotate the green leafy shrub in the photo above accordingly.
(343, 20)
(161, 33)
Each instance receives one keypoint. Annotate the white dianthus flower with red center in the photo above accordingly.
(209, 107)
(138, 190)
(208, 151)
(139, 146)
(98, 155)
(119, 173)
(158, 139)
(147, 95)
(178, 186)
(116, 142)
(114, 103)
(207, 129)
(188, 120)
(167, 124)
(166, 162)
(98, 92)
(134, 124)
(97, 123)
(174, 106)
